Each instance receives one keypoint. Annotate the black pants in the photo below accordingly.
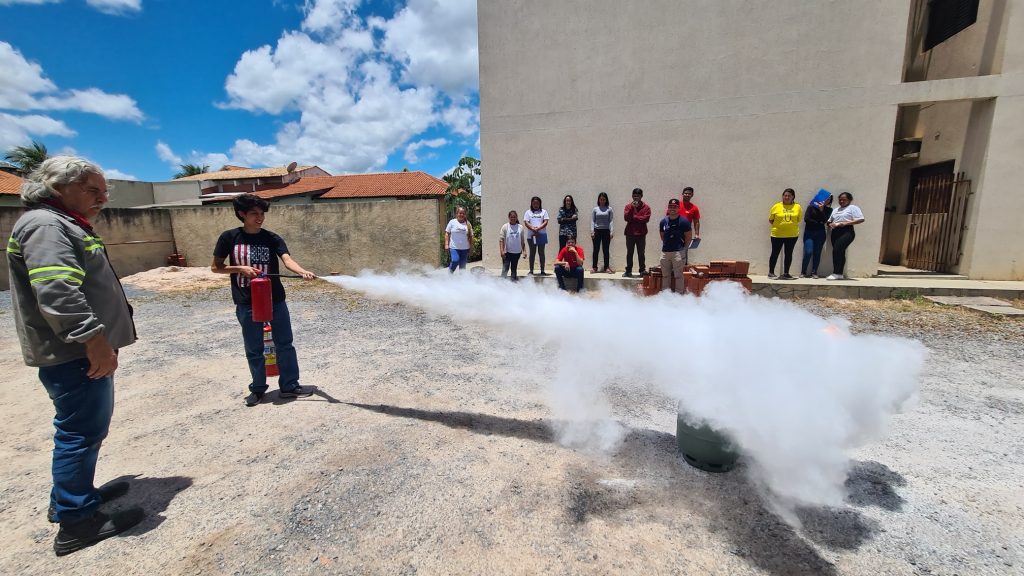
(640, 244)
(511, 262)
(777, 245)
(602, 239)
(534, 248)
(842, 237)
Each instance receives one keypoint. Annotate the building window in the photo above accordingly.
(948, 17)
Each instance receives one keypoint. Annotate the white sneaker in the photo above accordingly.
(834, 277)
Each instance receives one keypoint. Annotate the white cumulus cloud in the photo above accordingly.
(436, 42)
(413, 148)
(31, 2)
(113, 7)
(360, 88)
(164, 152)
(24, 87)
(18, 130)
(115, 174)
(116, 7)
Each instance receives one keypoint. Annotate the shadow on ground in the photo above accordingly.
(153, 495)
(729, 503)
(274, 397)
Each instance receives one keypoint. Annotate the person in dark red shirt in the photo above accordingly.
(637, 214)
(570, 263)
(690, 211)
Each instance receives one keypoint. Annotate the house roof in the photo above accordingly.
(380, 185)
(240, 173)
(9, 183)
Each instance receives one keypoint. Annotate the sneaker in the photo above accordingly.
(297, 392)
(627, 274)
(805, 275)
(253, 398)
(772, 276)
(107, 492)
(785, 277)
(814, 275)
(593, 270)
(74, 536)
(609, 271)
(834, 277)
(543, 273)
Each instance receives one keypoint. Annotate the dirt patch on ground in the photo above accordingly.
(175, 279)
(418, 456)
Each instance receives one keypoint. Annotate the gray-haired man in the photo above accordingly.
(72, 317)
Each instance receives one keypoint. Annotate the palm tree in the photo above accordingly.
(191, 170)
(27, 158)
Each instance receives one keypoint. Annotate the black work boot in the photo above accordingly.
(84, 533)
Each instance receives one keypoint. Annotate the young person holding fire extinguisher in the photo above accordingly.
(246, 253)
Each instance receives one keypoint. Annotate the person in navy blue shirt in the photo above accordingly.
(675, 237)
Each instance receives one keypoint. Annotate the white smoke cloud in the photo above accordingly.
(794, 391)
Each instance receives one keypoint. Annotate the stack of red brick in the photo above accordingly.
(697, 277)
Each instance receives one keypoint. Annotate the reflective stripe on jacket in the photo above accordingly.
(63, 289)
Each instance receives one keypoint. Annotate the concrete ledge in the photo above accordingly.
(858, 288)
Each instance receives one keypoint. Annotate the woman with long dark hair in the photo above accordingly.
(567, 217)
(536, 221)
(841, 223)
(785, 220)
(601, 230)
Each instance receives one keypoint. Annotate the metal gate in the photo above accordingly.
(937, 222)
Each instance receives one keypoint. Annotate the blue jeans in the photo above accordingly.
(252, 336)
(814, 242)
(83, 409)
(561, 272)
(458, 258)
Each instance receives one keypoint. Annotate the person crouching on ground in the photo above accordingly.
(245, 253)
(570, 263)
(72, 318)
(675, 237)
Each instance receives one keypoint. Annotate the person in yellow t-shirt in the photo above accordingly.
(785, 220)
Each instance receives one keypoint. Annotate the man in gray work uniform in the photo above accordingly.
(72, 317)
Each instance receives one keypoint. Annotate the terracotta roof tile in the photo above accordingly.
(9, 183)
(238, 173)
(381, 185)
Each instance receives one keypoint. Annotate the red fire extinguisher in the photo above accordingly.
(269, 352)
(262, 301)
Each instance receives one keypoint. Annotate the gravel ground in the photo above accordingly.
(420, 457)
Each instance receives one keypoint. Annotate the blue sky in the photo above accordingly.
(140, 86)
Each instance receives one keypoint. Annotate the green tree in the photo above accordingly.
(27, 158)
(191, 170)
(462, 181)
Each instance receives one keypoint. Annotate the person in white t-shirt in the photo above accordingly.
(511, 243)
(841, 224)
(458, 237)
(536, 221)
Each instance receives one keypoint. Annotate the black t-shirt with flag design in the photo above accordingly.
(260, 250)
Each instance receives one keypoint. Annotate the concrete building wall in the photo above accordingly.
(324, 238)
(737, 99)
(136, 240)
(164, 192)
(742, 99)
(129, 193)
